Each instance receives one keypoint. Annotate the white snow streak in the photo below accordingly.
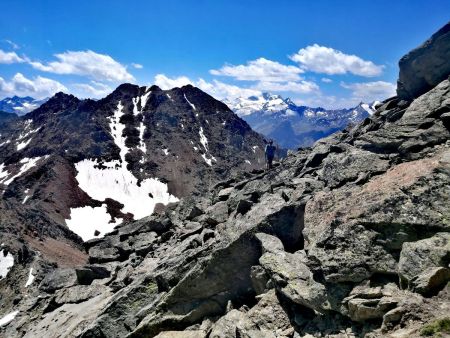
(166, 151)
(27, 196)
(117, 129)
(30, 278)
(6, 263)
(26, 164)
(8, 318)
(23, 144)
(193, 107)
(204, 142)
(203, 139)
(144, 99)
(5, 143)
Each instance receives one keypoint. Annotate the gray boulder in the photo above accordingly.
(424, 264)
(426, 66)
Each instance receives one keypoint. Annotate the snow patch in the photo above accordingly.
(27, 196)
(248, 162)
(85, 220)
(30, 278)
(116, 182)
(193, 107)
(6, 263)
(166, 151)
(23, 144)
(144, 99)
(8, 318)
(254, 148)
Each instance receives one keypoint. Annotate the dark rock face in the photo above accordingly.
(426, 66)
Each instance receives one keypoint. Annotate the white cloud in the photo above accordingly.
(91, 90)
(327, 60)
(99, 67)
(371, 91)
(38, 88)
(165, 82)
(326, 80)
(222, 90)
(10, 57)
(217, 89)
(260, 70)
(137, 65)
(296, 87)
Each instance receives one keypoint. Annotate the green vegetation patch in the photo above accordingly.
(438, 326)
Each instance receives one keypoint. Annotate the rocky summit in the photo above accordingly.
(349, 238)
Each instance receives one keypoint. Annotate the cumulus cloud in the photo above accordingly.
(222, 90)
(39, 87)
(302, 86)
(137, 65)
(260, 70)
(93, 89)
(165, 82)
(371, 91)
(216, 88)
(327, 60)
(326, 80)
(99, 67)
(10, 57)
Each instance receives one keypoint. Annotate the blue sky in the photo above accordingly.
(328, 53)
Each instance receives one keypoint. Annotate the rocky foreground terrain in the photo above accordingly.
(350, 238)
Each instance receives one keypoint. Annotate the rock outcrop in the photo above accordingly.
(426, 66)
(349, 238)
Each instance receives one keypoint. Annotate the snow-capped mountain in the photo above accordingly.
(82, 166)
(295, 126)
(20, 105)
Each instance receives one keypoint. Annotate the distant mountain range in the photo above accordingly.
(20, 105)
(293, 126)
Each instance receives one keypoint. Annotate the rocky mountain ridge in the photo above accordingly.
(80, 167)
(295, 126)
(349, 238)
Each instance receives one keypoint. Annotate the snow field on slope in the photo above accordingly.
(114, 181)
(6, 263)
(118, 183)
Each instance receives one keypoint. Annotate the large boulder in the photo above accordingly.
(426, 66)
(424, 264)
